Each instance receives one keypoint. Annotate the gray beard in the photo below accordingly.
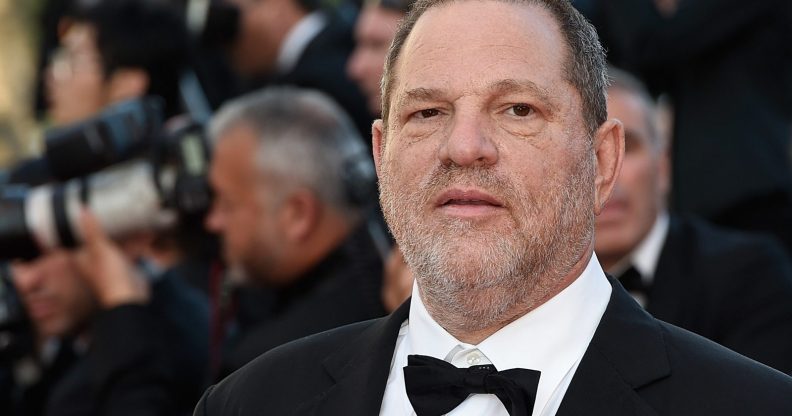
(472, 278)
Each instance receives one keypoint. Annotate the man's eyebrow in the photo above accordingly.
(522, 85)
(418, 94)
(503, 86)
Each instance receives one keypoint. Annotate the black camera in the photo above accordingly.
(131, 170)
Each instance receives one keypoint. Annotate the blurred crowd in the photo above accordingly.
(189, 183)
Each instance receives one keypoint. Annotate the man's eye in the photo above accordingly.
(520, 110)
(431, 112)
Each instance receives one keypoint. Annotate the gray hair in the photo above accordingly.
(584, 66)
(627, 82)
(304, 137)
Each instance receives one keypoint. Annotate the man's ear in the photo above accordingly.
(377, 143)
(609, 150)
(127, 83)
(299, 215)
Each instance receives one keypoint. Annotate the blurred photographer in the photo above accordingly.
(117, 330)
(99, 341)
(292, 186)
(114, 51)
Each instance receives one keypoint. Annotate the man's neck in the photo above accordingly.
(544, 290)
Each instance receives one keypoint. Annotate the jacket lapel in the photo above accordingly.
(669, 285)
(626, 354)
(360, 370)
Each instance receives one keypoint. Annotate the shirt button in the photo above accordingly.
(473, 359)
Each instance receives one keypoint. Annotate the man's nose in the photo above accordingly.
(468, 143)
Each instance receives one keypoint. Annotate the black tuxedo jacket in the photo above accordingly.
(635, 365)
(731, 287)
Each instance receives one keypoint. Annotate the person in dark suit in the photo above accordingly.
(292, 188)
(720, 62)
(729, 286)
(295, 42)
(494, 154)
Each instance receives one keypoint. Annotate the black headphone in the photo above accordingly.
(360, 182)
(359, 175)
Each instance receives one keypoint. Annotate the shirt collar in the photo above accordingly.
(564, 324)
(297, 40)
(645, 257)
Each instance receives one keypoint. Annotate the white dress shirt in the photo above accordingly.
(645, 257)
(297, 40)
(551, 338)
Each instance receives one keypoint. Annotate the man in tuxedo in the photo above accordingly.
(731, 287)
(292, 186)
(494, 154)
(295, 42)
(727, 67)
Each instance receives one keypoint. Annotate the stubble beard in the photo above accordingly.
(473, 276)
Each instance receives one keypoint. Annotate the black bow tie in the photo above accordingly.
(633, 282)
(436, 387)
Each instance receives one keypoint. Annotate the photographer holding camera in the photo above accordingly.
(117, 330)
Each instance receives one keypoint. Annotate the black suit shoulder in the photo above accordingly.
(293, 373)
(717, 259)
(708, 379)
(714, 240)
(639, 365)
(729, 286)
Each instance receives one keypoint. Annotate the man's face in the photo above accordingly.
(75, 81)
(374, 33)
(243, 211)
(641, 186)
(59, 302)
(486, 169)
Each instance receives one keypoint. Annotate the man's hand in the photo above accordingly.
(102, 263)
